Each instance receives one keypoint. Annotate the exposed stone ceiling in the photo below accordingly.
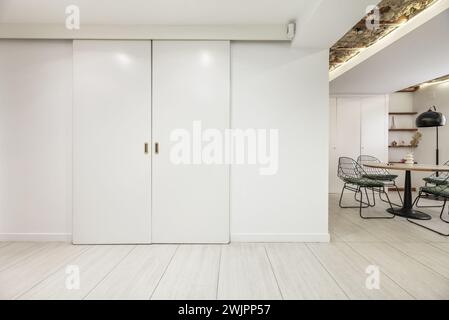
(393, 13)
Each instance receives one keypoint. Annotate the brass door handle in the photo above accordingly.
(156, 148)
(146, 148)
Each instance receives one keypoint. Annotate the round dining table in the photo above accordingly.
(407, 209)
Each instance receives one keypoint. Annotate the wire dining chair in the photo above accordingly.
(379, 174)
(355, 180)
(440, 191)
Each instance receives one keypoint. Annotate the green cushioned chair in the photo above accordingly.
(379, 174)
(365, 182)
(439, 192)
(381, 177)
(441, 180)
(355, 179)
(436, 179)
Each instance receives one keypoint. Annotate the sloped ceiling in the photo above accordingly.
(417, 57)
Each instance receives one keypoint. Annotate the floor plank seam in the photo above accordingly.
(363, 229)
(274, 273)
(437, 247)
(22, 258)
(382, 272)
(109, 272)
(163, 273)
(432, 270)
(330, 274)
(51, 274)
(4, 244)
(219, 269)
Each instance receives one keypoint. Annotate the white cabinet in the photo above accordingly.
(358, 125)
(191, 89)
(112, 122)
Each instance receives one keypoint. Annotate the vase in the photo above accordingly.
(393, 124)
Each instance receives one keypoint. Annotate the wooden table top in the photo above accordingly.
(408, 167)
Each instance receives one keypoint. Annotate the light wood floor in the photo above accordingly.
(413, 264)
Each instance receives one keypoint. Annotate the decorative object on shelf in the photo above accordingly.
(416, 139)
(409, 159)
(394, 143)
(402, 143)
(403, 161)
(432, 119)
(393, 124)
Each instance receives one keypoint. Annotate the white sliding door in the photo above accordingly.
(190, 85)
(112, 122)
(374, 127)
(347, 133)
(358, 125)
(348, 127)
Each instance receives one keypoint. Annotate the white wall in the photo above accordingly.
(35, 140)
(277, 87)
(423, 99)
(273, 86)
(401, 102)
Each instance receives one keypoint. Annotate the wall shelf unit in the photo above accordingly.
(403, 113)
(401, 131)
(404, 130)
(402, 146)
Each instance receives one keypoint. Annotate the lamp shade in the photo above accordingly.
(430, 118)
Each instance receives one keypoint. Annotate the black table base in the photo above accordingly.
(407, 209)
(410, 214)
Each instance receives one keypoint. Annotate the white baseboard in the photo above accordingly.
(280, 237)
(236, 237)
(38, 237)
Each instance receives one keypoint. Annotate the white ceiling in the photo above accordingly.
(419, 56)
(167, 12)
(326, 22)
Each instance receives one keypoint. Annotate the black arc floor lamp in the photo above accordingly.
(432, 119)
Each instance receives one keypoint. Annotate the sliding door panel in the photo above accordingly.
(190, 89)
(347, 131)
(374, 127)
(112, 123)
(348, 127)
